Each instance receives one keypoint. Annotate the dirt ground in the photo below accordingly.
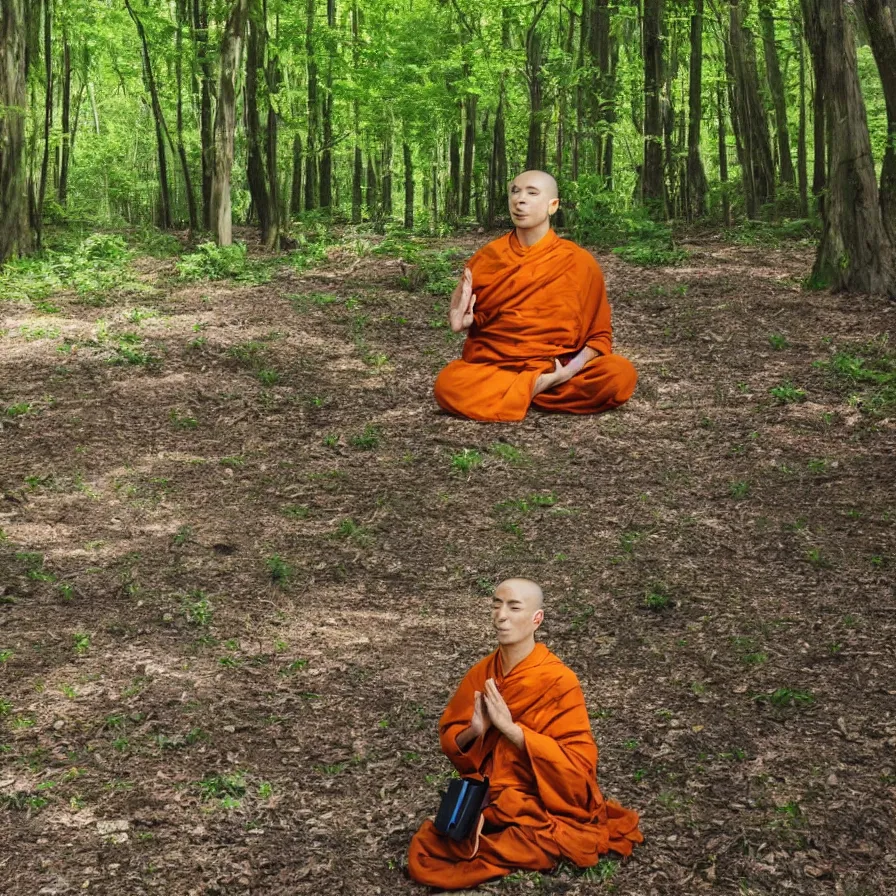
(244, 566)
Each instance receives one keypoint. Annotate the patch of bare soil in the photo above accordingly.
(244, 567)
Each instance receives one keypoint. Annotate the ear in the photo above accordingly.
(553, 205)
(538, 618)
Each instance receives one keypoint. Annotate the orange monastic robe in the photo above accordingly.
(535, 304)
(544, 803)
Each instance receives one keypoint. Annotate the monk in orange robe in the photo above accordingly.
(519, 718)
(538, 319)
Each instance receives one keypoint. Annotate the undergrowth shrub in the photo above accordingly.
(867, 373)
(213, 262)
(600, 220)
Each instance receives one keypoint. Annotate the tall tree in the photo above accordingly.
(652, 180)
(880, 17)
(14, 235)
(696, 176)
(225, 122)
(312, 172)
(326, 155)
(776, 86)
(855, 252)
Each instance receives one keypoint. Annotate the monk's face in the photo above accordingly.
(532, 200)
(516, 613)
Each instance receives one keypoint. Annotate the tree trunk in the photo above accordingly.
(452, 193)
(311, 142)
(776, 86)
(855, 252)
(66, 136)
(206, 125)
(801, 152)
(386, 180)
(534, 152)
(257, 174)
(373, 204)
(160, 127)
(295, 196)
(14, 234)
(326, 156)
(695, 206)
(225, 122)
(497, 172)
(756, 159)
(652, 181)
(358, 168)
(37, 221)
(879, 17)
(469, 149)
(723, 153)
(408, 188)
(181, 10)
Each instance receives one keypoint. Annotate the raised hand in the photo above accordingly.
(497, 709)
(480, 723)
(463, 301)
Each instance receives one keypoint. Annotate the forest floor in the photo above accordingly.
(244, 561)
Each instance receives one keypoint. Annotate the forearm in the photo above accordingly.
(581, 359)
(516, 736)
(560, 373)
(465, 738)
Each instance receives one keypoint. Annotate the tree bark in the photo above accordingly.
(723, 153)
(801, 151)
(225, 122)
(257, 162)
(469, 149)
(695, 206)
(534, 60)
(206, 123)
(756, 154)
(408, 187)
(879, 17)
(14, 234)
(37, 221)
(66, 144)
(326, 156)
(181, 10)
(652, 181)
(295, 196)
(311, 141)
(358, 167)
(776, 86)
(159, 119)
(855, 252)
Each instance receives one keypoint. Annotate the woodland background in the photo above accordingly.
(196, 113)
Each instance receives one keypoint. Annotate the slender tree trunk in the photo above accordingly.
(358, 167)
(497, 165)
(408, 188)
(311, 143)
(880, 17)
(257, 174)
(225, 122)
(652, 181)
(723, 153)
(776, 86)
(37, 222)
(326, 156)
(756, 162)
(819, 135)
(386, 180)
(160, 127)
(534, 148)
(801, 152)
(469, 150)
(14, 234)
(696, 176)
(855, 252)
(452, 194)
(181, 150)
(295, 196)
(66, 147)
(206, 123)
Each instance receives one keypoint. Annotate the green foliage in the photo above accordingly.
(787, 393)
(213, 262)
(657, 597)
(782, 697)
(465, 460)
(867, 373)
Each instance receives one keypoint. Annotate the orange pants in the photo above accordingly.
(503, 392)
(439, 861)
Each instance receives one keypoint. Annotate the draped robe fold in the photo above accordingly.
(544, 803)
(535, 304)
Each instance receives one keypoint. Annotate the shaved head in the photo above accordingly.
(544, 181)
(525, 589)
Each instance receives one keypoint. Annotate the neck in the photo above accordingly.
(530, 236)
(513, 654)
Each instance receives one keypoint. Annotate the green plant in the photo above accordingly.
(213, 262)
(81, 642)
(507, 452)
(268, 377)
(868, 371)
(183, 535)
(222, 786)
(348, 528)
(787, 393)
(786, 697)
(657, 597)
(465, 460)
(18, 410)
(778, 342)
(278, 569)
(367, 440)
(739, 489)
(197, 609)
(181, 420)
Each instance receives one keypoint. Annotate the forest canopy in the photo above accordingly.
(204, 113)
